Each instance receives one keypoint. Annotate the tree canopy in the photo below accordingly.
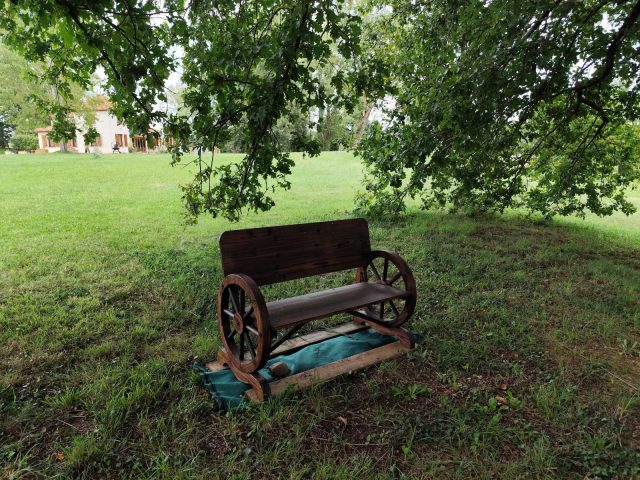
(489, 104)
(27, 103)
(19, 114)
(508, 103)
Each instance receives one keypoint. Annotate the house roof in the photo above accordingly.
(104, 106)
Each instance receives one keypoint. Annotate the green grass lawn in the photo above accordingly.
(530, 364)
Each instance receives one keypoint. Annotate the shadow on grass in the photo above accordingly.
(529, 366)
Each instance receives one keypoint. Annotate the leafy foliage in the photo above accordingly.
(493, 104)
(90, 136)
(503, 103)
(28, 103)
(23, 142)
(252, 65)
(246, 62)
(292, 133)
(17, 113)
(63, 127)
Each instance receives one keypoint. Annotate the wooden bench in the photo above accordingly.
(382, 297)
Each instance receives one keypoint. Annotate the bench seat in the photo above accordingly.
(292, 311)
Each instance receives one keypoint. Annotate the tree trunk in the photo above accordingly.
(364, 121)
(63, 145)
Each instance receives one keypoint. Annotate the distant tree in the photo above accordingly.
(19, 114)
(363, 121)
(63, 128)
(28, 103)
(6, 131)
(90, 137)
(332, 131)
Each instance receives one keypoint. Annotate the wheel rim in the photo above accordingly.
(242, 326)
(383, 271)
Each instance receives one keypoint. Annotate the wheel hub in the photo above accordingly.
(238, 323)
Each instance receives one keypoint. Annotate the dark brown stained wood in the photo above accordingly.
(295, 343)
(276, 254)
(302, 309)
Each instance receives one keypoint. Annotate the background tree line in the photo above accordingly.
(28, 103)
(19, 114)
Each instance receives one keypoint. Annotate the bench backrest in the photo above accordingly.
(275, 254)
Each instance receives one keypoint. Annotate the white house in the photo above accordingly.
(111, 133)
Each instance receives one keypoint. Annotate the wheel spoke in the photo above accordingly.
(234, 301)
(242, 302)
(394, 279)
(230, 335)
(241, 347)
(247, 314)
(285, 336)
(252, 330)
(382, 311)
(228, 312)
(385, 270)
(394, 308)
(252, 350)
(375, 270)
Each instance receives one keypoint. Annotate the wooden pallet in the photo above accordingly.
(326, 372)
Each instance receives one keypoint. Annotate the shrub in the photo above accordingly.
(23, 141)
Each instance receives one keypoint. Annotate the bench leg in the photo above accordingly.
(257, 381)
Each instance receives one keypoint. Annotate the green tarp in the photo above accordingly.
(227, 391)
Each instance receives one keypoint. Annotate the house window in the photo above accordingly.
(119, 140)
(97, 142)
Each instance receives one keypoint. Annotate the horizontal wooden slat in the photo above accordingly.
(300, 341)
(302, 309)
(276, 254)
(333, 370)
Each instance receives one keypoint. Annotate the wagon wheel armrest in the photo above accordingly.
(390, 269)
(244, 323)
(247, 283)
(401, 265)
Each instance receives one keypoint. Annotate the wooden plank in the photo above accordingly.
(296, 343)
(333, 370)
(316, 337)
(276, 254)
(302, 309)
